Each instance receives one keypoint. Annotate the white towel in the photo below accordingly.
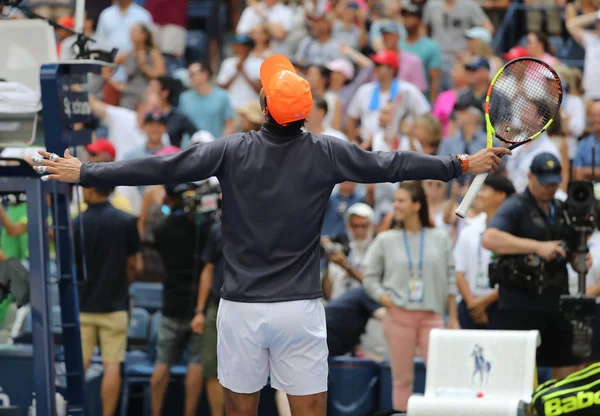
(16, 98)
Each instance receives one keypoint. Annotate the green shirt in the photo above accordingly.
(429, 52)
(15, 247)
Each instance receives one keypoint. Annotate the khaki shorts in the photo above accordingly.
(108, 328)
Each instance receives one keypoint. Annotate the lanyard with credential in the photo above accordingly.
(409, 256)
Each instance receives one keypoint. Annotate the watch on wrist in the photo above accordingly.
(464, 162)
(199, 311)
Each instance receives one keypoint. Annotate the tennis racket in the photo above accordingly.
(521, 103)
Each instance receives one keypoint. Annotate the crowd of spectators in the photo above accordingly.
(387, 75)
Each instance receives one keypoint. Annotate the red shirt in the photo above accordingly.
(168, 12)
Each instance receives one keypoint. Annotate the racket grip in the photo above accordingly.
(465, 204)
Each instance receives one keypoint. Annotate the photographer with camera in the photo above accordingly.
(531, 264)
(179, 240)
(344, 271)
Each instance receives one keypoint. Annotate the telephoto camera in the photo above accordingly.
(203, 199)
(581, 219)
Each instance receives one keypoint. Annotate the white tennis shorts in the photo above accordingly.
(286, 340)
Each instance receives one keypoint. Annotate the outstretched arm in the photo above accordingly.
(193, 164)
(351, 163)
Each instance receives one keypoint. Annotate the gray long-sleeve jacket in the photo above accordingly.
(275, 190)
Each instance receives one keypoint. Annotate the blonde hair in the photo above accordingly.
(572, 77)
(433, 126)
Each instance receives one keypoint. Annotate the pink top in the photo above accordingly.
(168, 150)
(549, 59)
(443, 107)
(411, 70)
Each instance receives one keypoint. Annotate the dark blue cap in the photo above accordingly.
(352, 5)
(476, 63)
(158, 117)
(412, 10)
(176, 189)
(244, 40)
(546, 168)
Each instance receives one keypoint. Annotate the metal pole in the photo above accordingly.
(79, 15)
(43, 339)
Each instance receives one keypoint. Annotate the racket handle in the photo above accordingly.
(465, 204)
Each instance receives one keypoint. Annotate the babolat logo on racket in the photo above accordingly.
(566, 405)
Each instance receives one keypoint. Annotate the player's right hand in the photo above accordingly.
(487, 160)
(549, 250)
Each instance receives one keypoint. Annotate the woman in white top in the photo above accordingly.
(410, 271)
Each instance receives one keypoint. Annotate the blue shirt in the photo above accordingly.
(458, 145)
(334, 225)
(585, 149)
(208, 112)
(275, 192)
(347, 317)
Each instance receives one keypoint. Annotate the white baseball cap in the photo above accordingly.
(343, 66)
(479, 33)
(362, 210)
(202, 136)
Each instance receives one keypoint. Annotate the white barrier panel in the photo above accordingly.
(24, 46)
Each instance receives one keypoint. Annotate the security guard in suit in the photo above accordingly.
(531, 264)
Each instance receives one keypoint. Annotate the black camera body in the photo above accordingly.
(581, 219)
(203, 199)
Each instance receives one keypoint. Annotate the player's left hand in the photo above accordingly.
(63, 169)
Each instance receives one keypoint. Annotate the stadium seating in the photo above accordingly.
(139, 329)
(352, 386)
(138, 369)
(147, 295)
(386, 387)
(26, 336)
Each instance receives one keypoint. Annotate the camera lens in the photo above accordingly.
(580, 194)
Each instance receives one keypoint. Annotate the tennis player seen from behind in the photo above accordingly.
(276, 183)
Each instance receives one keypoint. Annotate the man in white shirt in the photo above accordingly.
(478, 307)
(590, 41)
(315, 121)
(125, 130)
(366, 105)
(345, 272)
(240, 74)
(115, 23)
(277, 18)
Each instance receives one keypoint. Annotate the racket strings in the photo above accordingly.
(524, 98)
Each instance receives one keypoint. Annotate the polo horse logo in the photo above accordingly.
(482, 367)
